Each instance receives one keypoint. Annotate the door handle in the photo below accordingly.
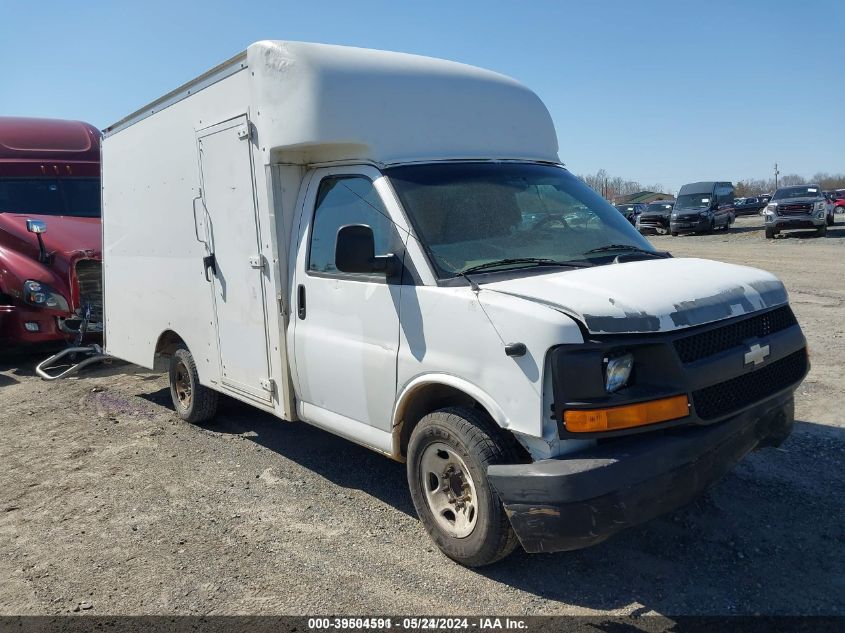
(300, 301)
(209, 261)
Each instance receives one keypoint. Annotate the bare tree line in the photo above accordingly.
(614, 186)
(752, 187)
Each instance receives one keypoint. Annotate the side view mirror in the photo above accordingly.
(36, 226)
(355, 251)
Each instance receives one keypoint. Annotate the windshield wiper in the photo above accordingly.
(627, 247)
(535, 261)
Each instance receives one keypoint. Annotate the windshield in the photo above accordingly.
(694, 201)
(474, 214)
(626, 208)
(796, 192)
(78, 197)
(662, 207)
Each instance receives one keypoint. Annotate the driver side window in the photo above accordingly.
(343, 200)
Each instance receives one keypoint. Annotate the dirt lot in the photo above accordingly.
(106, 499)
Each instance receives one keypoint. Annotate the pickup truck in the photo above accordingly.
(50, 277)
(799, 207)
(389, 247)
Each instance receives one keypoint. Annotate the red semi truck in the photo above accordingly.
(50, 235)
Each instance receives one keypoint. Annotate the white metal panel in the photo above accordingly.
(345, 348)
(652, 295)
(152, 259)
(239, 270)
(454, 331)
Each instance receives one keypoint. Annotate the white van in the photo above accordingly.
(388, 247)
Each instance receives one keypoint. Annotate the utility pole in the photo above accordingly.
(776, 175)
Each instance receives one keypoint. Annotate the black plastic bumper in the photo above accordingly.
(690, 226)
(576, 501)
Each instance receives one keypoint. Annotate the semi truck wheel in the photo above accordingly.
(448, 456)
(193, 402)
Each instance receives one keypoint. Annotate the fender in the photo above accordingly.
(448, 380)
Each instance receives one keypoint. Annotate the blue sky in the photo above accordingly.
(660, 92)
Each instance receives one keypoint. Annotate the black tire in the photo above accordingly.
(830, 220)
(479, 443)
(770, 233)
(193, 402)
(822, 230)
(839, 210)
(674, 234)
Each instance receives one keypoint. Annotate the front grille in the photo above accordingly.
(90, 277)
(712, 342)
(797, 207)
(694, 217)
(732, 395)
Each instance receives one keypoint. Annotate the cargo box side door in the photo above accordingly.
(235, 269)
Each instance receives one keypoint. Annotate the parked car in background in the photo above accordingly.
(839, 201)
(702, 207)
(749, 206)
(50, 280)
(655, 217)
(631, 211)
(799, 207)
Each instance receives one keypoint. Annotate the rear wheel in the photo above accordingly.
(193, 402)
(840, 209)
(448, 456)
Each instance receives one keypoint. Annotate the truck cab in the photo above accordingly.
(50, 278)
(389, 247)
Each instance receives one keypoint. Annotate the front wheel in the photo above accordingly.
(822, 230)
(770, 233)
(448, 456)
(830, 220)
(193, 402)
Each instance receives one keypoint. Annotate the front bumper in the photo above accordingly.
(786, 222)
(582, 499)
(690, 226)
(51, 328)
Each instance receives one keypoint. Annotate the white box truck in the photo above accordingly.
(388, 247)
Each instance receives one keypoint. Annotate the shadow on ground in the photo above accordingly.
(768, 538)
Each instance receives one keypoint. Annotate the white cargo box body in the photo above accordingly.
(216, 166)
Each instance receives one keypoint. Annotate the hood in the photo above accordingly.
(66, 236)
(658, 295)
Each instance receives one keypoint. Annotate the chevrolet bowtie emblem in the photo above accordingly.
(756, 354)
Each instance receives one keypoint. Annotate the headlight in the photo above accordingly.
(674, 216)
(617, 372)
(771, 207)
(41, 295)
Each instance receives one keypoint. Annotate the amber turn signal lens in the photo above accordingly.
(627, 416)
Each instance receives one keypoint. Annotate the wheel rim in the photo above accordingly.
(182, 385)
(449, 490)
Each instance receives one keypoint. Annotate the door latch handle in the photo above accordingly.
(300, 301)
(209, 261)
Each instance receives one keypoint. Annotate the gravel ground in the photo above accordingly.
(110, 505)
